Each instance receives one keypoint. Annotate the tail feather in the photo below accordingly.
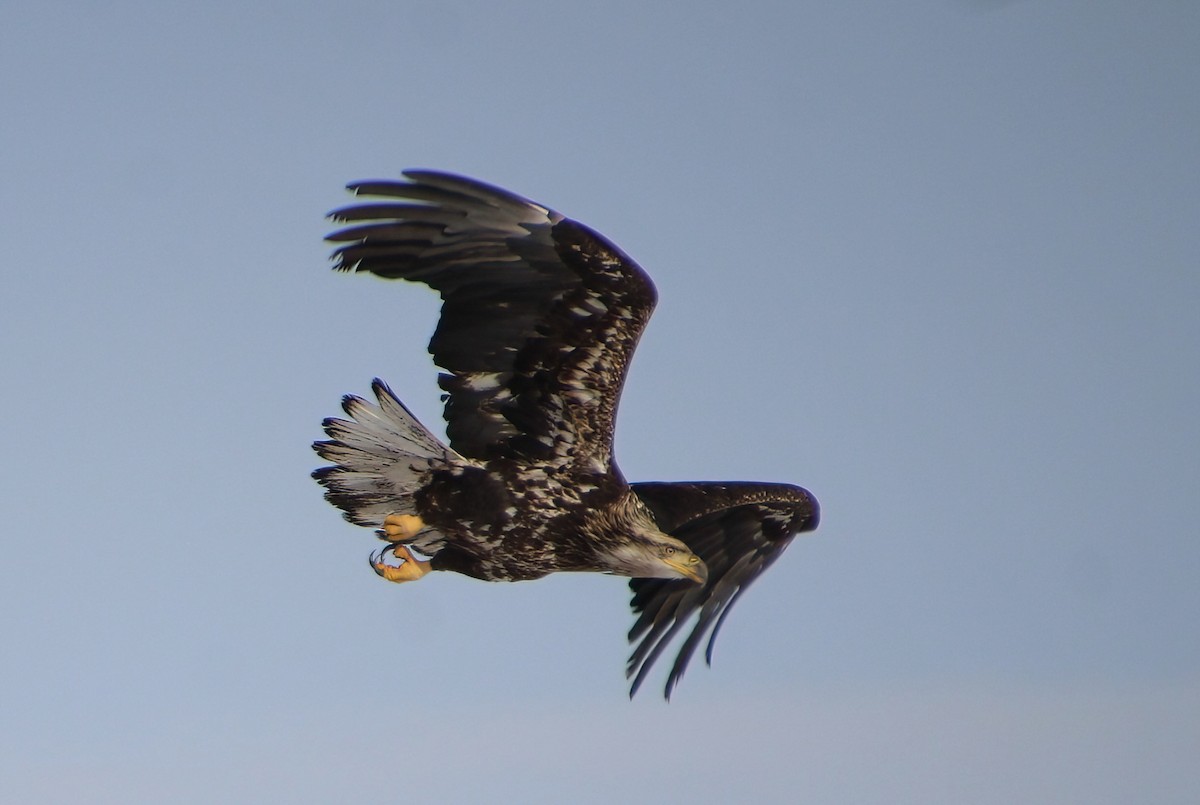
(380, 457)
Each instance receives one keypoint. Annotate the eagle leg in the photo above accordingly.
(410, 568)
(401, 527)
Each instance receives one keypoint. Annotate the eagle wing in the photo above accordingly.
(739, 530)
(540, 314)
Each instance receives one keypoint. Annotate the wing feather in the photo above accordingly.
(739, 530)
(540, 314)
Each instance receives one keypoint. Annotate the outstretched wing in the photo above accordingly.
(540, 314)
(738, 529)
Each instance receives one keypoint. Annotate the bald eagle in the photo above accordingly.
(540, 316)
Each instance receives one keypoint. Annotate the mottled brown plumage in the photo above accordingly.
(540, 318)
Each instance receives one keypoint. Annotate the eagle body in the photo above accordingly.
(540, 317)
(503, 523)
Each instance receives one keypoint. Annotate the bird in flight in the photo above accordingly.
(540, 317)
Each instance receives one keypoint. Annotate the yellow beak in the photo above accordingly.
(690, 567)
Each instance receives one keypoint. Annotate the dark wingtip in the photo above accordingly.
(814, 516)
(637, 680)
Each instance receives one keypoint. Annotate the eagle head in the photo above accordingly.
(644, 552)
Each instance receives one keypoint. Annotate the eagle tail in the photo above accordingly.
(381, 456)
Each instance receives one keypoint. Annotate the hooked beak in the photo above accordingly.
(690, 567)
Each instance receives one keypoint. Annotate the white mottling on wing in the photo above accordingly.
(484, 381)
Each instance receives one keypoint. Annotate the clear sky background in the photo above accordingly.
(935, 261)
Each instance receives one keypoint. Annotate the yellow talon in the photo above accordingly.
(410, 569)
(402, 527)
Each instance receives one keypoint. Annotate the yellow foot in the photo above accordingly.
(401, 527)
(410, 569)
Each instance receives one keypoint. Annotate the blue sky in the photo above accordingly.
(936, 262)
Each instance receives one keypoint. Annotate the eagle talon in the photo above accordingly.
(410, 568)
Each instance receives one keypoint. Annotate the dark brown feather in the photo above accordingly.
(538, 312)
(739, 530)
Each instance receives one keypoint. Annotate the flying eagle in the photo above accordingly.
(540, 317)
